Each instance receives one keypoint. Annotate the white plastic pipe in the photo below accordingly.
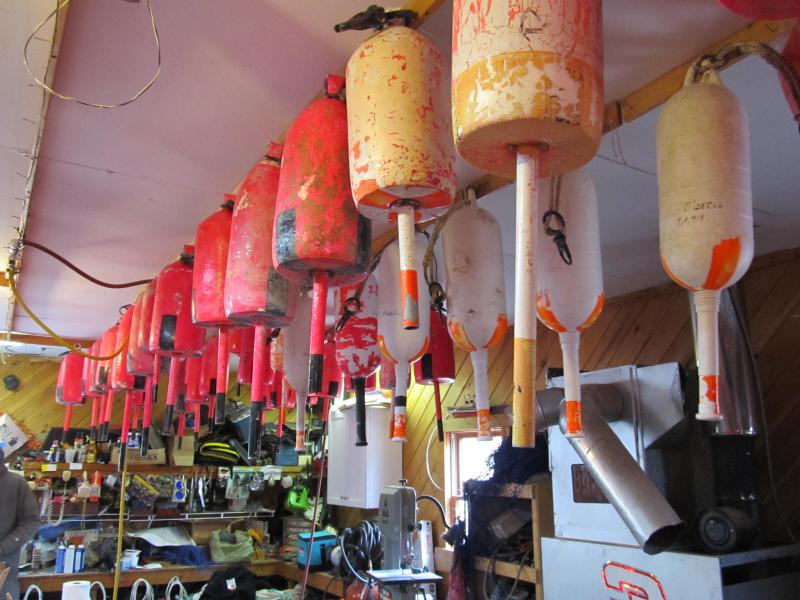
(706, 304)
(409, 289)
(480, 369)
(400, 391)
(570, 351)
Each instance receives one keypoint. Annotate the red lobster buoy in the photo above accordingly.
(357, 352)
(211, 244)
(89, 390)
(172, 332)
(141, 361)
(122, 381)
(437, 365)
(255, 293)
(401, 150)
(763, 11)
(69, 391)
(103, 381)
(319, 237)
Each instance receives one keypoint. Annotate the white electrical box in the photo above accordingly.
(358, 475)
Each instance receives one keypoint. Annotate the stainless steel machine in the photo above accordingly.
(633, 496)
(404, 575)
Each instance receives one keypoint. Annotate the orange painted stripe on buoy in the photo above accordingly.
(724, 260)
(712, 388)
(546, 315)
(460, 336)
(409, 293)
(499, 331)
(598, 308)
(573, 414)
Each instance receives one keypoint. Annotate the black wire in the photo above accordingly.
(81, 272)
(438, 505)
(767, 449)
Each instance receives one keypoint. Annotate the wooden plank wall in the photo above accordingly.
(647, 327)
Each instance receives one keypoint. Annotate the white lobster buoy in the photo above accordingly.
(401, 346)
(295, 362)
(527, 90)
(705, 209)
(401, 153)
(570, 297)
(476, 294)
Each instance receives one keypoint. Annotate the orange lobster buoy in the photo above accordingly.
(401, 346)
(356, 342)
(172, 332)
(69, 391)
(401, 153)
(570, 293)
(296, 363)
(476, 294)
(705, 209)
(527, 85)
(211, 244)
(437, 365)
(319, 237)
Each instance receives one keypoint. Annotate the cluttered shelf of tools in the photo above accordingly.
(52, 582)
(55, 470)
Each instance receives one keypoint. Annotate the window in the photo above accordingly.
(466, 457)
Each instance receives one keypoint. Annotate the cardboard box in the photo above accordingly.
(12, 435)
(155, 456)
(182, 456)
(201, 530)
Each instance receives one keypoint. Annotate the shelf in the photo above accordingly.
(187, 517)
(52, 470)
(52, 582)
(507, 569)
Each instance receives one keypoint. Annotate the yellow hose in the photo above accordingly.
(50, 332)
(123, 486)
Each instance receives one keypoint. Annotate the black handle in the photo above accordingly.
(254, 432)
(440, 429)
(145, 446)
(168, 415)
(123, 453)
(361, 411)
(102, 433)
(219, 408)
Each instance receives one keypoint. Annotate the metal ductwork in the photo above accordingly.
(648, 516)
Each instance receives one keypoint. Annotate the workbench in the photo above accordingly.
(52, 582)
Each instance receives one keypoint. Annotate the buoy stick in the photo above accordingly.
(570, 350)
(257, 390)
(524, 397)
(222, 376)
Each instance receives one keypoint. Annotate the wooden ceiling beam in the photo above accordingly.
(40, 340)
